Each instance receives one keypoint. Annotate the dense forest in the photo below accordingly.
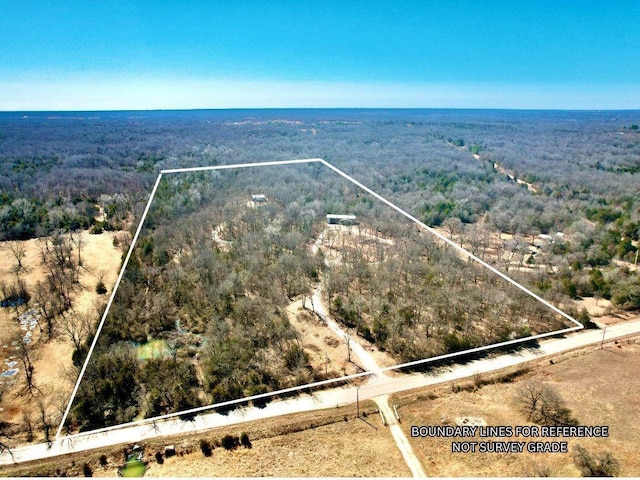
(439, 165)
(550, 198)
(212, 294)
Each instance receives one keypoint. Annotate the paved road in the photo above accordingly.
(320, 400)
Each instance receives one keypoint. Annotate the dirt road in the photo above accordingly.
(401, 439)
(369, 364)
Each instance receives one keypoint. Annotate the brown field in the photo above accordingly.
(327, 443)
(326, 349)
(327, 352)
(53, 370)
(599, 386)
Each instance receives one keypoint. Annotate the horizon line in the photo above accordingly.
(186, 109)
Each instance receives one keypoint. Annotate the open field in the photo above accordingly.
(585, 379)
(325, 349)
(325, 443)
(51, 358)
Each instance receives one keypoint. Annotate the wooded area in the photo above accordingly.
(214, 290)
(550, 198)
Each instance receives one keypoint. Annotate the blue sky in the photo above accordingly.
(226, 54)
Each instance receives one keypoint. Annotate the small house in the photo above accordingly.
(333, 219)
(259, 198)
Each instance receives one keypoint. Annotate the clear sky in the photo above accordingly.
(569, 54)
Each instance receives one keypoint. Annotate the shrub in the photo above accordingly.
(206, 448)
(585, 319)
(101, 289)
(229, 442)
(103, 460)
(97, 229)
(86, 470)
(244, 440)
(159, 458)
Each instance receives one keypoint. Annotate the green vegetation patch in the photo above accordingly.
(152, 349)
(133, 468)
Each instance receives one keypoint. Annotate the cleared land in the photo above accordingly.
(51, 358)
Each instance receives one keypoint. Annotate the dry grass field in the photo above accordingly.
(326, 350)
(53, 369)
(600, 387)
(342, 449)
(329, 443)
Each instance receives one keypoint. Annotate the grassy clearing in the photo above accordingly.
(152, 349)
(54, 373)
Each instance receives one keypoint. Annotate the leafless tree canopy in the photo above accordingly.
(542, 404)
(590, 465)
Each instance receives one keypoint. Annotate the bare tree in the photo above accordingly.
(49, 307)
(543, 404)
(603, 465)
(539, 470)
(347, 341)
(44, 419)
(19, 252)
(5, 434)
(454, 226)
(28, 425)
(27, 364)
(77, 327)
(101, 288)
(78, 240)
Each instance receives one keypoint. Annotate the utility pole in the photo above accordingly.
(358, 401)
(326, 364)
(603, 332)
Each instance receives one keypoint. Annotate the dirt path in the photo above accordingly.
(367, 362)
(379, 377)
(401, 439)
(498, 168)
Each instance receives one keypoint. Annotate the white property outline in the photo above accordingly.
(579, 326)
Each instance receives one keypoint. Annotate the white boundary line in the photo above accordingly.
(106, 310)
(242, 165)
(347, 378)
(453, 244)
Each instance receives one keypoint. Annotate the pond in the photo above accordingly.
(152, 349)
(13, 302)
(133, 468)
